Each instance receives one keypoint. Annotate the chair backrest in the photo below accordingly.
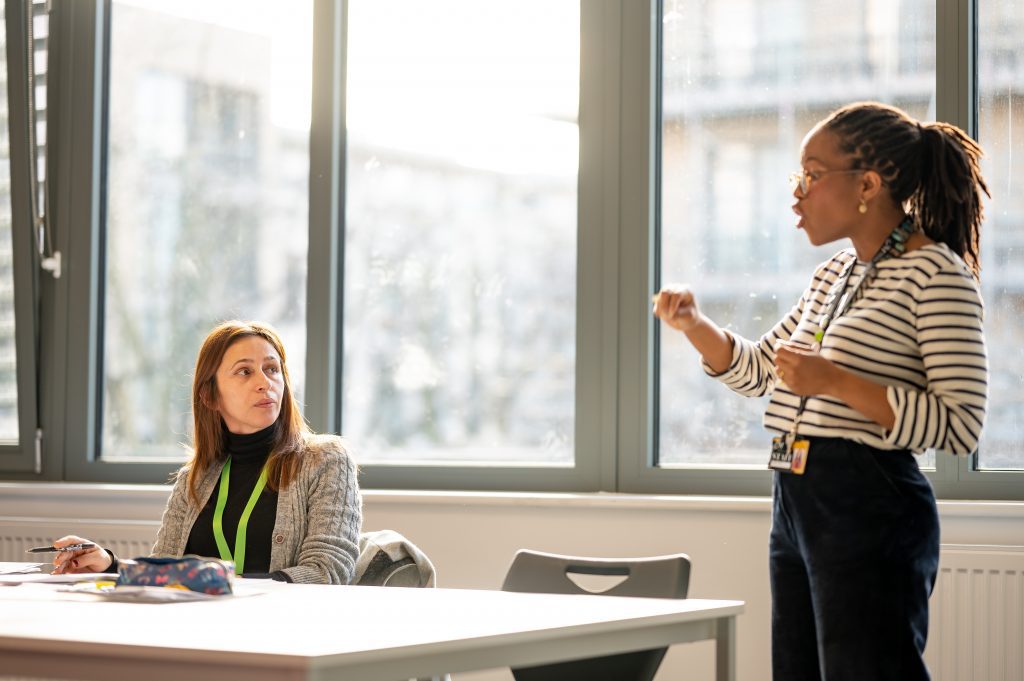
(386, 558)
(655, 577)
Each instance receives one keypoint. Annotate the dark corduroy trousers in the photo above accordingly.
(854, 553)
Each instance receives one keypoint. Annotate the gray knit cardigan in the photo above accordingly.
(319, 515)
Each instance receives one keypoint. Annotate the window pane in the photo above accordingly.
(743, 83)
(1001, 133)
(8, 358)
(207, 199)
(460, 255)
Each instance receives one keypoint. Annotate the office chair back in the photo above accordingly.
(656, 577)
(387, 558)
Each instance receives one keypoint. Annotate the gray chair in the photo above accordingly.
(386, 558)
(656, 577)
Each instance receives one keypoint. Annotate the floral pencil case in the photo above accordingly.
(192, 573)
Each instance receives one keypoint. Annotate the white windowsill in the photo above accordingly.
(68, 499)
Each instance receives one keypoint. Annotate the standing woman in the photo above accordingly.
(882, 357)
(260, 489)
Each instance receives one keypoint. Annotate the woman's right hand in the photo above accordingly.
(82, 560)
(676, 305)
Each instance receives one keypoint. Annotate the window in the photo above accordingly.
(206, 194)
(742, 85)
(8, 323)
(21, 246)
(456, 213)
(1001, 124)
(739, 92)
(460, 231)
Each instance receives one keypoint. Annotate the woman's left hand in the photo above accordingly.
(803, 369)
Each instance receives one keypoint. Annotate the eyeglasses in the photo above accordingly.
(805, 178)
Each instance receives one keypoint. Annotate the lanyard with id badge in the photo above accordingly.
(790, 451)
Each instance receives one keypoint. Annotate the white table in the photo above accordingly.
(330, 632)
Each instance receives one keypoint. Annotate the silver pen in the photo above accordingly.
(57, 549)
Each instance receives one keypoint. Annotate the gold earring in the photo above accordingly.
(863, 207)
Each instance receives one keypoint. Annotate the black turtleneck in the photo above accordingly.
(248, 454)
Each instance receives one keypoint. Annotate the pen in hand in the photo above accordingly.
(53, 549)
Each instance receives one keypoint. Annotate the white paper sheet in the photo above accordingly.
(19, 568)
(44, 578)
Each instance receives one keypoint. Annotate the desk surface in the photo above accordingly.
(320, 632)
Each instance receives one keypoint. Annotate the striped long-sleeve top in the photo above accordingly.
(915, 327)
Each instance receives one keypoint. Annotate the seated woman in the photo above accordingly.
(260, 488)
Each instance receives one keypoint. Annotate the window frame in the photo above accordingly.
(953, 477)
(23, 456)
(593, 468)
(79, 49)
(617, 260)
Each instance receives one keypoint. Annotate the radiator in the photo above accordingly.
(126, 539)
(976, 632)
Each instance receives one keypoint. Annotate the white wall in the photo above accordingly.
(471, 537)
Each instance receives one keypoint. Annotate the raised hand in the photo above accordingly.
(676, 305)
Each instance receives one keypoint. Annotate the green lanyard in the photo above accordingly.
(218, 518)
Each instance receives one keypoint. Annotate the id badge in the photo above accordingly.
(789, 453)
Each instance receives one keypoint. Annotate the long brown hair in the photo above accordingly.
(931, 169)
(290, 429)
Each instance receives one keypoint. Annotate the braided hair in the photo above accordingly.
(931, 169)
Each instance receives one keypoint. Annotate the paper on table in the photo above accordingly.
(158, 594)
(44, 578)
(19, 568)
